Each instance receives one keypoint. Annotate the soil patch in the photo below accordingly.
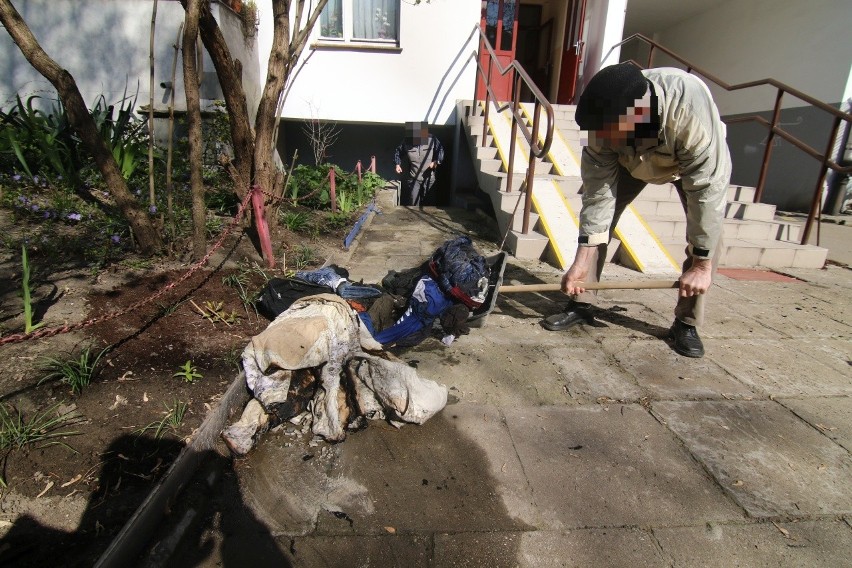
(76, 494)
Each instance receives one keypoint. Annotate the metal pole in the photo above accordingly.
(767, 154)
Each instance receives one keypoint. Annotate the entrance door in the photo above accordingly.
(572, 52)
(500, 24)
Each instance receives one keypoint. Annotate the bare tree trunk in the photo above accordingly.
(152, 197)
(193, 115)
(147, 235)
(229, 72)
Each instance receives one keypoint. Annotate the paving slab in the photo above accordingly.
(611, 547)
(407, 550)
(611, 466)
(799, 320)
(830, 415)
(830, 275)
(836, 353)
(779, 368)
(285, 488)
(433, 477)
(759, 545)
(489, 368)
(590, 373)
(728, 316)
(666, 375)
(770, 461)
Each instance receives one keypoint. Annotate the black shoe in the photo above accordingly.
(686, 340)
(575, 313)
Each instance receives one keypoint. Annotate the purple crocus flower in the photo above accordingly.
(74, 216)
(16, 177)
(34, 208)
(115, 239)
(152, 210)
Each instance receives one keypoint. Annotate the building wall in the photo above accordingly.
(104, 44)
(421, 80)
(806, 45)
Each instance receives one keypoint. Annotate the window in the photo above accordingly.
(375, 21)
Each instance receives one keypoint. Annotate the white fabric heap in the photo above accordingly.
(323, 331)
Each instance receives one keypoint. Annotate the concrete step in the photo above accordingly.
(749, 210)
(754, 252)
(666, 227)
(667, 192)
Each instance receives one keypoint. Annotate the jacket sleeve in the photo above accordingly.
(599, 169)
(705, 171)
(397, 154)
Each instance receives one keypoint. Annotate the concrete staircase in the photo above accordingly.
(752, 236)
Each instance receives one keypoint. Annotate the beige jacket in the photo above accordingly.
(692, 147)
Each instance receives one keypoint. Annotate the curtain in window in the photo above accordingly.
(375, 19)
(331, 19)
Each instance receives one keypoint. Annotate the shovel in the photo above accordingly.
(614, 285)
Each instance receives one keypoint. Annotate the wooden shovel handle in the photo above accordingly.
(614, 285)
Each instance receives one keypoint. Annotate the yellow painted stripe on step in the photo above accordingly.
(657, 240)
(560, 223)
(558, 148)
(642, 246)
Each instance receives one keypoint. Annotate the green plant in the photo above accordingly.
(240, 282)
(188, 373)
(123, 131)
(346, 201)
(43, 428)
(303, 256)
(334, 221)
(214, 312)
(296, 221)
(26, 292)
(75, 372)
(171, 421)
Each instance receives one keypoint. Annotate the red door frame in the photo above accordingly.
(500, 84)
(572, 52)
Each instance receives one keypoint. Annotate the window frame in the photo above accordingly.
(348, 41)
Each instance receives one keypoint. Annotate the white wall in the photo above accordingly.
(603, 29)
(104, 44)
(420, 82)
(806, 44)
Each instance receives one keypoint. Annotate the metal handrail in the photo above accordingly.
(773, 126)
(537, 150)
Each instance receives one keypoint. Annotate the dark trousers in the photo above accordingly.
(414, 190)
(688, 310)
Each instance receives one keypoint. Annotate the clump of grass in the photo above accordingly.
(303, 256)
(296, 221)
(45, 428)
(75, 372)
(26, 292)
(171, 421)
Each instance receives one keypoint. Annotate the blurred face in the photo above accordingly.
(619, 131)
(417, 132)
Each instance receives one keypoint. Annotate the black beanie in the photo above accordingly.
(608, 95)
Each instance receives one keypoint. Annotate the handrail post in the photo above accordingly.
(530, 180)
(332, 189)
(767, 154)
(512, 143)
(816, 209)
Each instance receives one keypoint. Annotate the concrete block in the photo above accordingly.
(530, 245)
(611, 465)
(809, 256)
(747, 210)
(771, 462)
(741, 193)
